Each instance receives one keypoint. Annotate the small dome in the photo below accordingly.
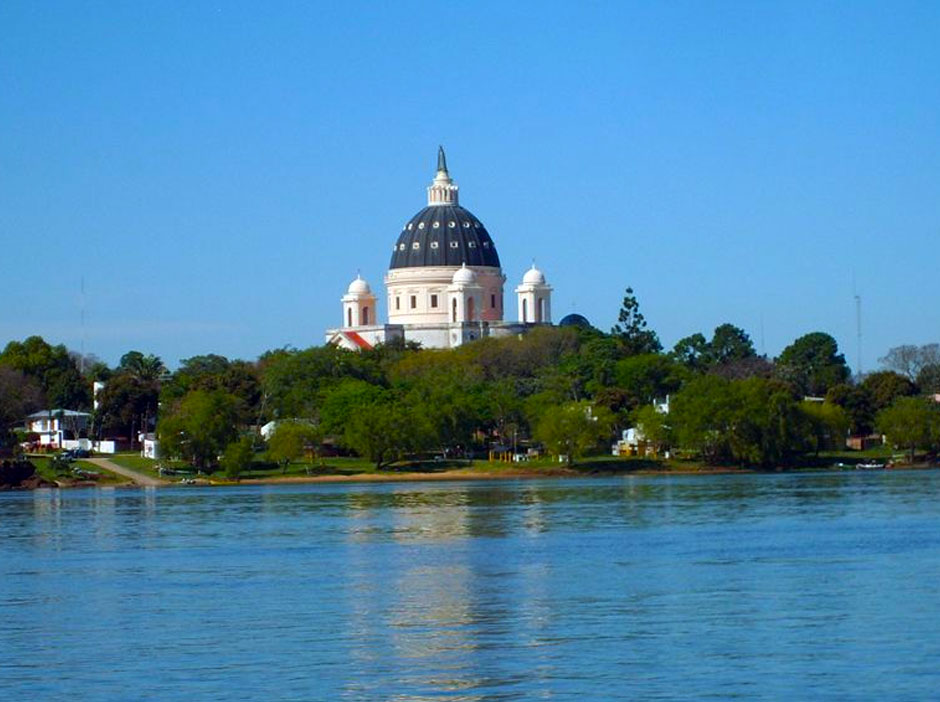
(464, 276)
(359, 287)
(575, 320)
(533, 276)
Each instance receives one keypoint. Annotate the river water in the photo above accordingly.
(798, 586)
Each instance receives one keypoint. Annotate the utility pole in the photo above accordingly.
(858, 334)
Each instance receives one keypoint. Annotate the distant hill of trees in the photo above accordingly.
(570, 389)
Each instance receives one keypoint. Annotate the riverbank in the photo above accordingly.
(135, 471)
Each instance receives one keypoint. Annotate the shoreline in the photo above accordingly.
(460, 475)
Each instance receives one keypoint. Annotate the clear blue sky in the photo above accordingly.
(219, 171)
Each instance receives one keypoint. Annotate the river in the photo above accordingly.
(794, 586)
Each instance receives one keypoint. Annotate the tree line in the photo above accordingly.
(570, 389)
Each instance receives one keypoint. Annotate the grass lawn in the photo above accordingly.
(45, 470)
(147, 466)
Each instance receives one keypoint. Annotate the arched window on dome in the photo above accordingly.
(349, 317)
(525, 311)
(540, 310)
(470, 309)
(365, 316)
(453, 307)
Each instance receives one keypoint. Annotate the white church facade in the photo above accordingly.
(444, 285)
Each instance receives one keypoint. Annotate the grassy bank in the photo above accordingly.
(339, 468)
(86, 473)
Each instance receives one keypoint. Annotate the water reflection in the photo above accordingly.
(767, 587)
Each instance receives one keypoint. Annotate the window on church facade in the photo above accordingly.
(414, 301)
(397, 303)
(434, 301)
(493, 301)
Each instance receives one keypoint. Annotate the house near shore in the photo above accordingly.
(59, 428)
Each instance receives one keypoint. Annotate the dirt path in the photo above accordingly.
(138, 478)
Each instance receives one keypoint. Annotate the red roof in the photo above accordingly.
(358, 340)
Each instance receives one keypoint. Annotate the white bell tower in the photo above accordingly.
(359, 305)
(535, 298)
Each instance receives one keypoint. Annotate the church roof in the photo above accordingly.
(444, 235)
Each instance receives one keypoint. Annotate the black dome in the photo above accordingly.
(444, 235)
(575, 320)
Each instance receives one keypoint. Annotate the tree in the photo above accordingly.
(928, 378)
(654, 426)
(730, 343)
(386, 430)
(237, 457)
(200, 426)
(692, 352)
(573, 428)
(828, 424)
(290, 440)
(858, 405)
(910, 421)
(908, 360)
(647, 377)
(631, 329)
(884, 387)
(19, 396)
(53, 368)
(813, 364)
(128, 403)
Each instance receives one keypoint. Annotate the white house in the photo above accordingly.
(60, 428)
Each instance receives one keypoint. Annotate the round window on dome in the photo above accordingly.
(401, 247)
(472, 244)
(451, 224)
(454, 245)
(420, 225)
(415, 245)
(466, 225)
(433, 244)
(436, 225)
(410, 226)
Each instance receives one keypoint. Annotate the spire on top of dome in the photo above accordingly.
(441, 160)
(443, 190)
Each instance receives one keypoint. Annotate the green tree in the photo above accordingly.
(884, 387)
(730, 343)
(646, 377)
(828, 424)
(53, 368)
(928, 378)
(199, 426)
(386, 430)
(237, 457)
(20, 395)
(654, 426)
(813, 364)
(911, 422)
(858, 405)
(692, 352)
(573, 428)
(631, 330)
(290, 441)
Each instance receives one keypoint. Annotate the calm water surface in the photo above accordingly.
(821, 586)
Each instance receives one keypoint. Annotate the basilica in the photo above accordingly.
(444, 284)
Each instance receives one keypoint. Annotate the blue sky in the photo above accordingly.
(217, 172)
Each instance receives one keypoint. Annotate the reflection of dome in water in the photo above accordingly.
(575, 320)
